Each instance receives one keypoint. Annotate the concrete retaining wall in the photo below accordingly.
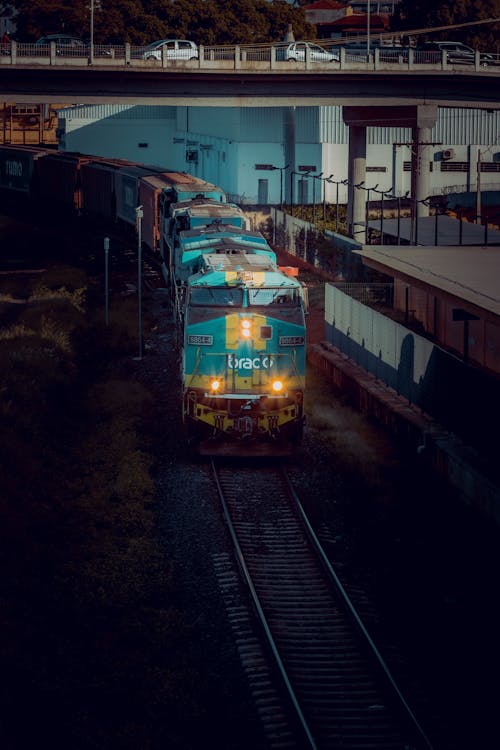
(459, 464)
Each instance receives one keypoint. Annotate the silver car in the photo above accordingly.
(175, 49)
(296, 51)
(456, 53)
(66, 44)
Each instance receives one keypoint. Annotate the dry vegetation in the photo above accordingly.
(84, 578)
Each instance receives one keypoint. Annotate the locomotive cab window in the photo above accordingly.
(216, 296)
(287, 296)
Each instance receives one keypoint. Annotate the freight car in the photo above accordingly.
(19, 175)
(157, 192)
(239, 316)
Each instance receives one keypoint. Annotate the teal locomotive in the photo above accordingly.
(241, 324)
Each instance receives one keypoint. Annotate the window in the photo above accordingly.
(454, 166)
(287, 296)
(263, 192)
(216, 296)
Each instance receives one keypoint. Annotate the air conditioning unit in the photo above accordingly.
(447, 153)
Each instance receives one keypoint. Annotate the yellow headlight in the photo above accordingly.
(277, 386)
(215, 385)
(246, 328)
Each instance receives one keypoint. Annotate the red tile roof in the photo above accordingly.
(355, 21)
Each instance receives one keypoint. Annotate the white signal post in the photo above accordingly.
(106, 276)
(139, 213)
(91, 31)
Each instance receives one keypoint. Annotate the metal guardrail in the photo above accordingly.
(238, 57)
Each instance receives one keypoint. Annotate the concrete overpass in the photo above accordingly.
(358, 84)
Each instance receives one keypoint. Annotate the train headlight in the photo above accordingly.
(277, 386)
(246, 328)
(215, 385)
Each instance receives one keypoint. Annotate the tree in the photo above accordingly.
(7, 12)
(143, 21)
(35, 18)
(431, 14)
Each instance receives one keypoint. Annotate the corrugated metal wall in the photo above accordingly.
(118, 112)
(312, 124)
(245, 124)
(462, 127)
(300, 137)
(454, 126)
(224, 122)
(307, 128)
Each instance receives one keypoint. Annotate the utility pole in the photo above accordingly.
(420, 178)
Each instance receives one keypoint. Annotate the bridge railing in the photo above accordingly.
(245, 57)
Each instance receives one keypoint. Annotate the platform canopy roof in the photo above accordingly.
(471, 274)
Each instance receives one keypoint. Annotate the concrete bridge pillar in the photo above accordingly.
(288, 151)
(420, 175)
(420, 118)
(356, 174)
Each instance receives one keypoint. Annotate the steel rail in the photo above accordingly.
(311, 620)
(352, 611)
(260, 611)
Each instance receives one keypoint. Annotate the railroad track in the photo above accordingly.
(334, 688)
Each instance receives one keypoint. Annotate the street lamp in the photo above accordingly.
(305, 176)
(281, 169)
(326, 179)
(292, 172)
(337, 183)
(424, 202)
(405, 197)
(315, 177)
(139, 213)
(382, 194)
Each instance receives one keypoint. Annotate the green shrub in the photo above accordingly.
(61, 277)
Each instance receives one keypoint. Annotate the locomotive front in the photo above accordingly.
(244, 357)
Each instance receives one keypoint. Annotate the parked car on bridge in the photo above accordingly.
(386, 54)
(296, 51)
(66, 44)
(176, 49)
(456, 53)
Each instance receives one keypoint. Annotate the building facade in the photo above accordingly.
(273, 155)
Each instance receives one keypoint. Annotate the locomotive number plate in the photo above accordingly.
(201, 340)
(291, 340)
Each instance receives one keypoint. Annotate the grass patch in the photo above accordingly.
(87, 619)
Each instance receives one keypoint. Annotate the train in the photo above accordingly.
(240, 316)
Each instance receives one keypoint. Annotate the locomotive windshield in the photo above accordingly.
(216, 296)
(289, 296)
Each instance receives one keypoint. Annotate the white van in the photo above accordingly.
(176, 49)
